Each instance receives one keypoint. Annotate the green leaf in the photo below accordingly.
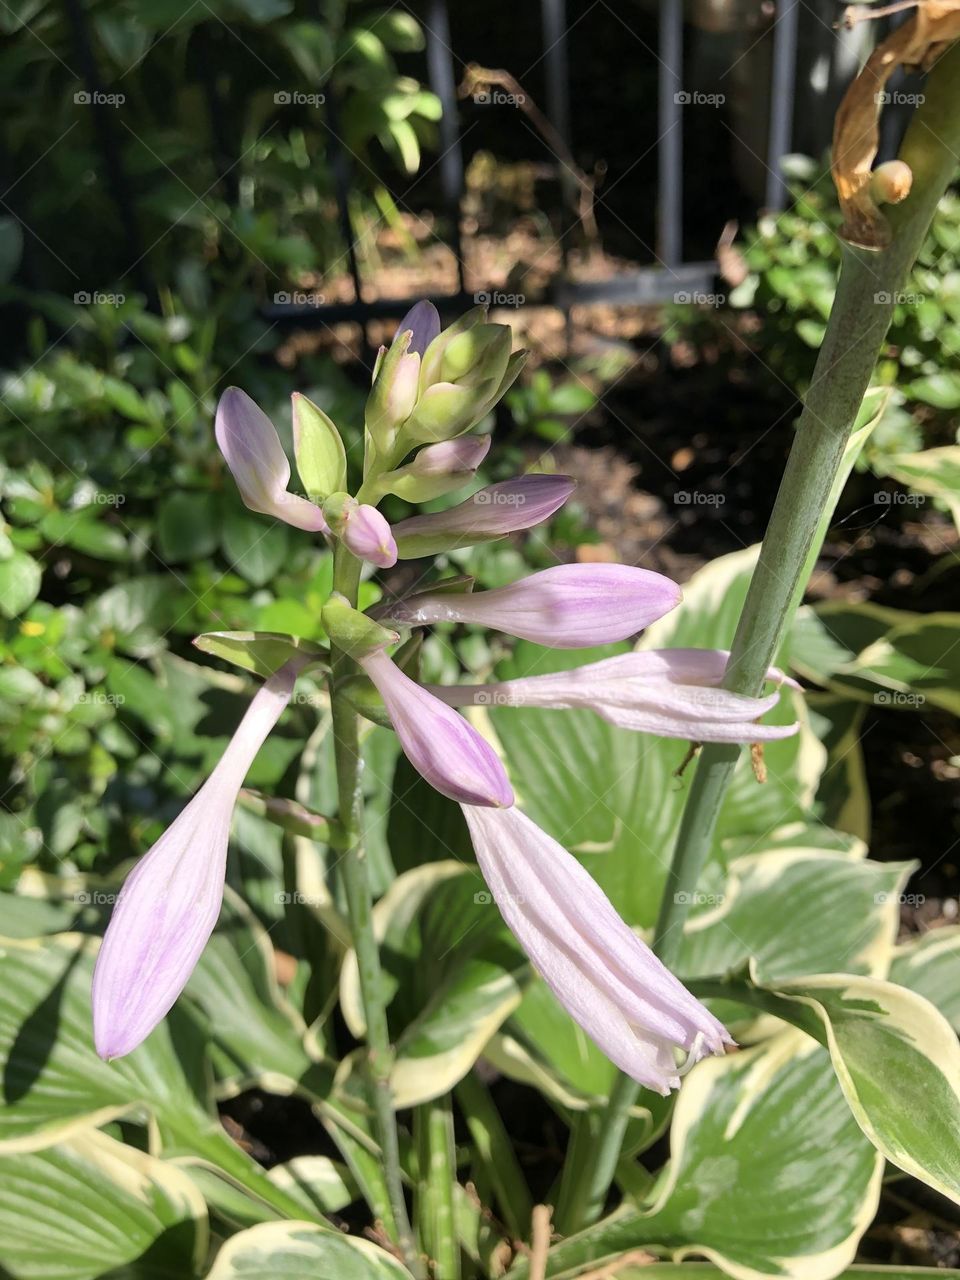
(454, 971)
(795, 911)
(19, 583)
(769, 1174)
(262, 652)
(255, 548)
(929, 966)
(321, 457)
(352, 631)
(932, 471)
(941, 389)
(898, 1063)
(297, 1251)
(188, 527)
(92, 1204)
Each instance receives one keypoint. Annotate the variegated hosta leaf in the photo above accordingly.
(91, 1204)
(53, 1080)
(931, 967)
(455, 974)
(795, 911)
(898, 1062)
(753, 1182)
(705, 1271)
(932, 471)
(302, 1251)
(256, 1037)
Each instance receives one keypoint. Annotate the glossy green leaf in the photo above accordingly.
(930, 966)
(752, 1183)
(91, 1204)
(300, 1251)
(262, 652)
(20, 578)
(898, 1062)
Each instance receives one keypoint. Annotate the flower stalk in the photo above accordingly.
(862, 310)
(355, 876)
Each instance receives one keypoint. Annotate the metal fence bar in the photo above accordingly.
(670, 143)
(440, 70)
(782, 83)
(554, 19)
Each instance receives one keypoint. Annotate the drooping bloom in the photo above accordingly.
(249, 442)
(367, 534)
(672, 692)
(438, 742)
(492, 512)
(607, 979)
(570, 606)
(170, 901)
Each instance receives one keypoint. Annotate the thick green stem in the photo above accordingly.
(861, 314)
(356, 883)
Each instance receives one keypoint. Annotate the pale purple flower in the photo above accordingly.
(671, 692)
(367, 534)
(570, 606)
(607, 979)
(492, 512)
(249, 442)
(450, 456)
(423, 321)
(170, 902)
(438, 742)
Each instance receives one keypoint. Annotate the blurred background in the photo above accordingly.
(251, 192)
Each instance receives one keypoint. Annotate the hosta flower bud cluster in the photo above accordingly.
(432, 387)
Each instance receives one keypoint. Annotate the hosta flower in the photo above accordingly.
(438, 742)
(672, 692)
(249, 442)
(367, 534)
(607, 979)
(493, 512)
(570, 606)
(170, 901)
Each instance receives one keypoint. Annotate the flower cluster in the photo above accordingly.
(431, 388)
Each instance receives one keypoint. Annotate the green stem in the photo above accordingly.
(859, 319)
(356, 883)
(495, 1151)
(436, 1177)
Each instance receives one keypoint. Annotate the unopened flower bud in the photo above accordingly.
(891, 182)
(362, 529)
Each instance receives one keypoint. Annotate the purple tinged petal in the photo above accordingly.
(496, 510)
(451, 456)
(170, 902)
(438, 742)
(570, 606)
(368, 535)
(607, 979)
(423, 320)
(249, 442)
(674, 693)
